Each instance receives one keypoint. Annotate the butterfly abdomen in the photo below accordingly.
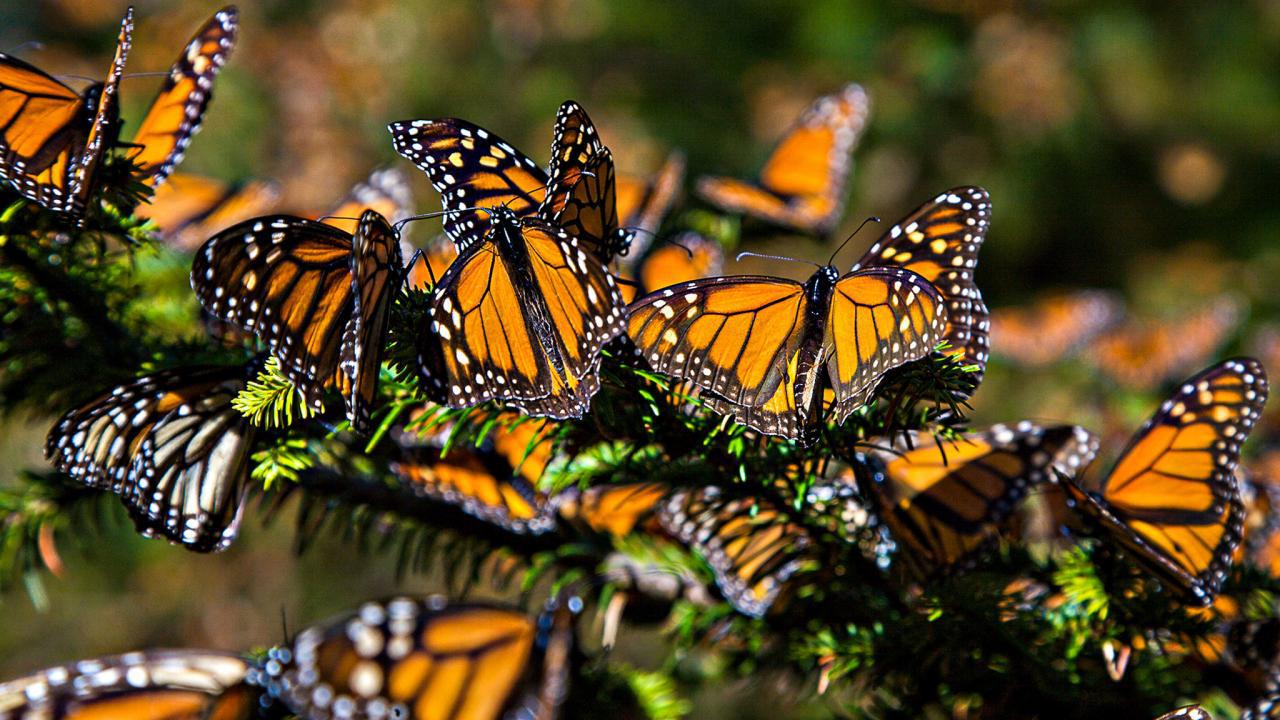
(817, 290)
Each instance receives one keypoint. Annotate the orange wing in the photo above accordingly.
(464, 480)
(375, 268)
(147, 685)
(945, 501)
(429, 264)
(613, 510)
(642, 205)
(1172, 498)
(735, 338)
(939, 241)
(470, 168)
(879, 319)
(590, 211)
(574, 144)
(523, 330)
(802, 185)
(422, 659)
(753, 547)
(288, 280)
(1143, 355)
(187, 209)
(686, 257)
(52, 139)
(1054, 327)
(175, 115)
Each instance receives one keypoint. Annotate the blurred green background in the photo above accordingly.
(1126, 145)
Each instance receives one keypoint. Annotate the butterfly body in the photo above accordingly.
(759, 347)
(521, 317)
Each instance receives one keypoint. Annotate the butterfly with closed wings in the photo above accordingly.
(1172, 499)
(319, 298)
(802, 185)
(171, 446)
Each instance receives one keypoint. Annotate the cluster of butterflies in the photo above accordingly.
(1133, 352)
(538, 273)
(405, 657)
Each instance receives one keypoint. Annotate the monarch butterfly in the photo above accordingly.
(1054, 327)
(1172, 499)
(752, 546)
(945, 501)
(147, 685)
(423, 658)
(802, 185)
(187, 209)
(758, 346)
(51, 138)
(521, 318)
(317, 296)
(643, 204)
(481, 489)
(171, 446)
(1142, 355)
(475, 171)
(614, 510)
(939, 241)
(175, 115)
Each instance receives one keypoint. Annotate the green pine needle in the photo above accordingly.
(270, 400)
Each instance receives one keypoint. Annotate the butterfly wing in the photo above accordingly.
(470, 167)
(386, 192)
(465, 481)
(51, 143)
(421, 657)
(613, 510)
(171, 446)
(590, 211)
(1172, 497)
(175, 115)
(187, 209)
(686, 257)
(1189, 712)
(736, 338)
(288, 280)
(752, 547)
(1142, 355)
(803, 182)
(945, 501)
(148, 685)
(879, 319)
(940, 241)
(375, 268)
(574, 144)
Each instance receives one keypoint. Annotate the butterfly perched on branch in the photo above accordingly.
(475, 171)
(54, 138)
(1172, 499)
(318, 297)
(171, 446)
(802, 184)
(521, 318)
(1054, 327)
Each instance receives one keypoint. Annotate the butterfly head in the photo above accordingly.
(821, 283)
(500, 215)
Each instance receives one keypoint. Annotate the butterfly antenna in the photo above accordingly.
(85, 78)
(133, 76)
(322, 218)
(872, 218)
(424, 216)
(773, 257)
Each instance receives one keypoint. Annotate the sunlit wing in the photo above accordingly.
(147, 685)
(945, 500)
(1054, 327)
(422, 658)
(939, 241)
(1142, 355)
(879, 319)
(175, 115)
(614, 510)
(288, 280)
(802, 185)
(1172, 498)
(375, 272)
(737, 337)
(684, 258)
(574, 144)
(170, 446)
(526, 446)
(470, 167)
(752, 547)
(463, 479)
(590, 211)
(52, 139)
